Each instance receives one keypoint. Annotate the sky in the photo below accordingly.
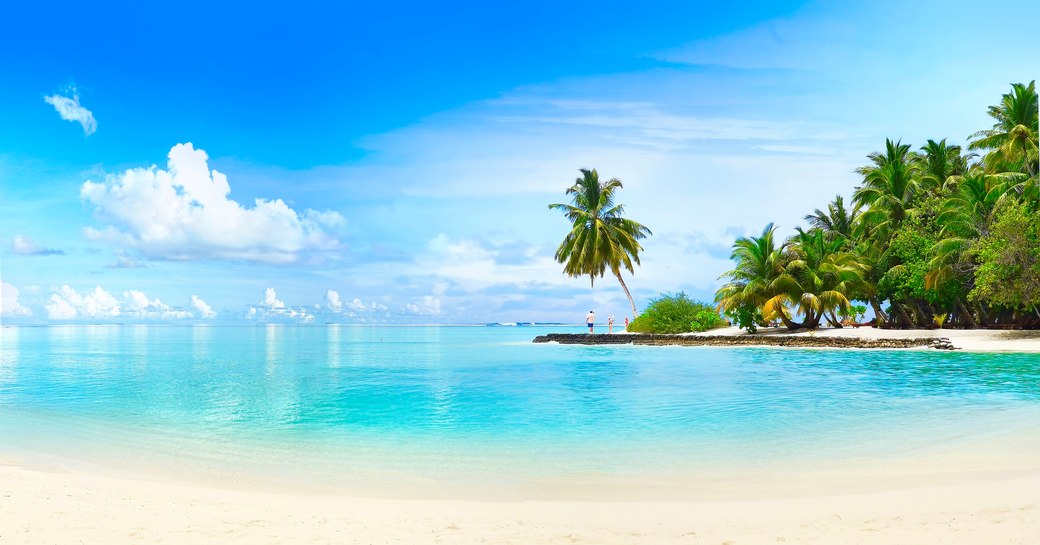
(359, 163)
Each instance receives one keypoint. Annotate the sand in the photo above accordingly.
(971, 340)
(40, 507)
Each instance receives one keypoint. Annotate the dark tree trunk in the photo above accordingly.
(969, 320)
(835, 322)
(878, 313)
(904, 319)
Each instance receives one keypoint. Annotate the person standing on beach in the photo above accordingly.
(626, 323)
(610, 323)
(590, 320)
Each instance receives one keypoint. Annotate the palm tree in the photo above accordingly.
(600, 238)
(824, 276)
(759, 279)
(837, 221)
(938, 162)
(889, 187)
(1012, 142)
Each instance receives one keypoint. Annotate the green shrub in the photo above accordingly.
(676, 314)
(747, 317)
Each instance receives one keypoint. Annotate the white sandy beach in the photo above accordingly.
(41, 507)
(972, 340)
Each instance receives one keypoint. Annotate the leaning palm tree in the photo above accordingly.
(600, 238)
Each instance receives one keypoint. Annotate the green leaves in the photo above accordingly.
(676, 314)
(1009, 260)
(601, 238)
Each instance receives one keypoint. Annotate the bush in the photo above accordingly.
(747, 317)
(676, 314)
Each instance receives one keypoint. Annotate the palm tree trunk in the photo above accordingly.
(788, 322)
(835, 322)
(629, 295)
(878, 313)
(905, 320)
(968, 318)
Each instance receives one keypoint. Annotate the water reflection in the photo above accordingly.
(101, 339)
(201, 337)
(442, 383)
(138, 341)
(282, 388)
(271, 347)
(8, 354)
(333, 348)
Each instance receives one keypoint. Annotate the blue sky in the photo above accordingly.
(393, 163)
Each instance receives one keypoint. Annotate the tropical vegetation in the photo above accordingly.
(941, 235)
(676, 313)
(601, 238)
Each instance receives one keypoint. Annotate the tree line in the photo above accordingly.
(940, 235)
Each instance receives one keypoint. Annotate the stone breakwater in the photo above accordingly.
(797, 341)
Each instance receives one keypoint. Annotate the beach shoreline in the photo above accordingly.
(56, 507)
(968, 340)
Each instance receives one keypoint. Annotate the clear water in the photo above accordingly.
(344, 407)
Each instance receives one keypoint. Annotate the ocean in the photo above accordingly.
(434, 410)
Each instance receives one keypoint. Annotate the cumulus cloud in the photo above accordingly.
(271, 300)
(138, 305)
(25, 246)
(68, 107)
(273, 308)
(67, 304)
(428, 305)
(333, 302)
(184, 213)
(9, 305)
(204, 310)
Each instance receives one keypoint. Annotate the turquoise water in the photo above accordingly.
(345, 407)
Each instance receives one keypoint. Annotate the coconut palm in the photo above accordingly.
(600, 238)
(837, 221)
(824, 275)
(938, 162)
(1012, 142)
(759, 279)
(889, 187)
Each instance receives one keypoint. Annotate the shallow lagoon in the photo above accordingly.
(347, 407)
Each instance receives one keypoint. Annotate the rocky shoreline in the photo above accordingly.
(796, 341)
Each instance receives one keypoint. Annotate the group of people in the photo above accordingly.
(590, 320)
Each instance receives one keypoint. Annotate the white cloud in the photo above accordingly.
(475, 266)
(184, 213)
(204, 310)
(9, 305)
(333, 302)
(428, 305)
(66, 304)
(25, 246)
(68, 107)
(271, 300)
(273, 308)
(138, 305)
